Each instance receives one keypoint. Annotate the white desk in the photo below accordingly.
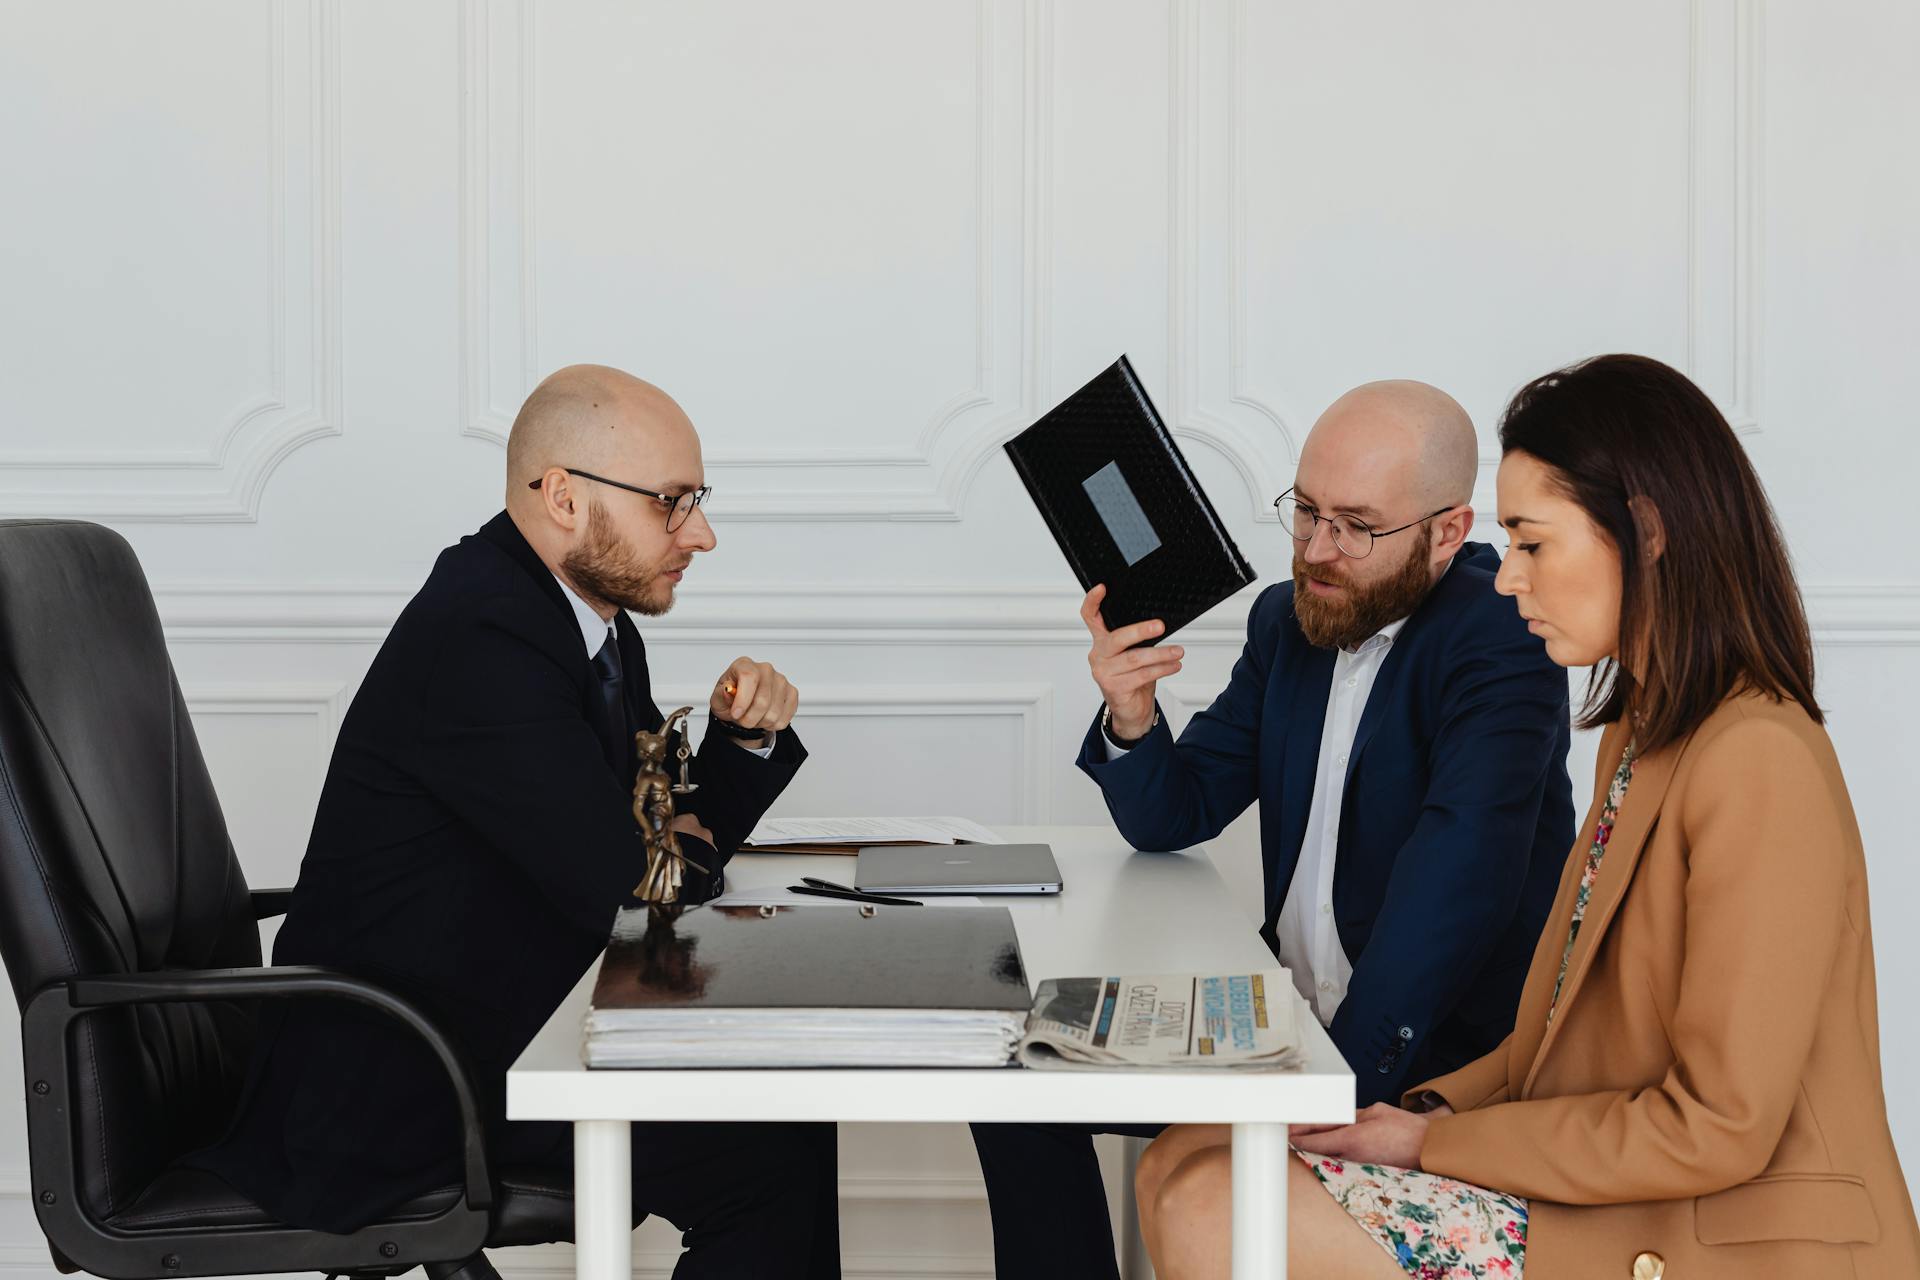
(1122, 912)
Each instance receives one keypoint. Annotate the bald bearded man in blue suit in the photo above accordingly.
(1406, 739)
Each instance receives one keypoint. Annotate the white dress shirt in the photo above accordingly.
(1309, 938)
(596, 631)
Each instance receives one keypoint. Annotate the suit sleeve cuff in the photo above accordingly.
(1098, 751)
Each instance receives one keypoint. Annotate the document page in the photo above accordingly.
(947, 830)
(786, 898)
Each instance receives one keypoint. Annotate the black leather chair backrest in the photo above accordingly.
(114, 856)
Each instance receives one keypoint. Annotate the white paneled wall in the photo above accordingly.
(277, 276)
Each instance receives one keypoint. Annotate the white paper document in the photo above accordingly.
(870, 831)
(787, 898)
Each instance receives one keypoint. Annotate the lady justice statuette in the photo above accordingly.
(653, 797)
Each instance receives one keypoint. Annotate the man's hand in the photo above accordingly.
(755, 696)
(1382, 1134)
(1127, 676)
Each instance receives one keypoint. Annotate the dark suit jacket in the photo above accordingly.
(471, 846)
(1454, 823)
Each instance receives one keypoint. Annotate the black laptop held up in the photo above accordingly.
(957, 868)
(1124, 505)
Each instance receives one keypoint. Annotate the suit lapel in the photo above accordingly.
(1312, 677)
(1633, 826)
(1530, 1018)
(636, 687)
(1378, 699)
(638, 684)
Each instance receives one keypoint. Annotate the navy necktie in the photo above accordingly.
(613, 704)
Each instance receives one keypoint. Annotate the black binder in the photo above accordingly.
(1124, 505)
(807, 986)
(817, 957)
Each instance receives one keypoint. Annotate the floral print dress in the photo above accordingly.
(1441, 1228)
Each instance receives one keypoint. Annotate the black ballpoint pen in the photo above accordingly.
(819, 889)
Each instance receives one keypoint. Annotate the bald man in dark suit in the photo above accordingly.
(475, 836)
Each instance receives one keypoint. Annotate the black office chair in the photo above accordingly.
(130, 937)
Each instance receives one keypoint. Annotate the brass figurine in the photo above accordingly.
(653, 809)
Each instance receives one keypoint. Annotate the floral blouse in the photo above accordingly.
(1603, 832)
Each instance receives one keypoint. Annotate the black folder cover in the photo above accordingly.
(1124, 505)
(815, 957)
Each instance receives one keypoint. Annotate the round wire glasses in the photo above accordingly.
(1354, 536)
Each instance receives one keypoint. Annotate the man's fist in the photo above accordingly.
(755, 696)
(1127, 676)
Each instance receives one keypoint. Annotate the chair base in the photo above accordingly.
(475, 1268)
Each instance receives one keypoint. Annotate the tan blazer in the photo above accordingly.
(1709, 1089)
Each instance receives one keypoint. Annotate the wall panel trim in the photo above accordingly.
(224, 481)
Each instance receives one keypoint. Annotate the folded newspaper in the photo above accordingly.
(1165, 1022)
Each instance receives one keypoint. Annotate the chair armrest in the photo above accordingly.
(47, 1016)
(268, 903)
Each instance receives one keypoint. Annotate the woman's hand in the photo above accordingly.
(1382, 1134)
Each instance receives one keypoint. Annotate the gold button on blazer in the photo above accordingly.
(1707, 1099)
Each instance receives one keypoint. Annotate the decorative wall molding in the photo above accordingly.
(1181, 699)
(1245, 430)
(1208, 388)
(1724, 120)
(325, 701)
(500, 357)
(1030, 704)
(496, 129)
(866, 614)
(843, 614)
(224, 480)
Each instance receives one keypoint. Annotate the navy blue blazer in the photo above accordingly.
(472, 843)
(1454, 825)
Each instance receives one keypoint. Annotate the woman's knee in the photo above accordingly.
(1155, 1163)
(1165, 1153)
(1198, 1189)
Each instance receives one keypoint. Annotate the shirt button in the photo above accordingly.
(1341, 758)
(1325, 985)
(1352, 681)
(1406, 1033)
(1326, 908)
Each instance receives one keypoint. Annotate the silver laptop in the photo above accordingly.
(957, 868)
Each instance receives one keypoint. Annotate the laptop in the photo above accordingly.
(957, 868)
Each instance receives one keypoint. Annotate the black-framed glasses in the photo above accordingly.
(1354, 537)
(679, 505)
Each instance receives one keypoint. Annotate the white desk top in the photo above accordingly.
(1121, 912)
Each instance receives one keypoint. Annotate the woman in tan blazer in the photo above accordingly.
(1692, 1087)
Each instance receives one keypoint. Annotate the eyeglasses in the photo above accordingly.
(679, 505)
(1354, 537)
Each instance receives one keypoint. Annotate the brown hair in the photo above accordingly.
(1642, 450)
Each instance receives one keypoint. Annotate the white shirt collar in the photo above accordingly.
(1385, 635)
(1379, 639)
(594, 629)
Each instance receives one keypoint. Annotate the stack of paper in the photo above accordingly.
(827, 986)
